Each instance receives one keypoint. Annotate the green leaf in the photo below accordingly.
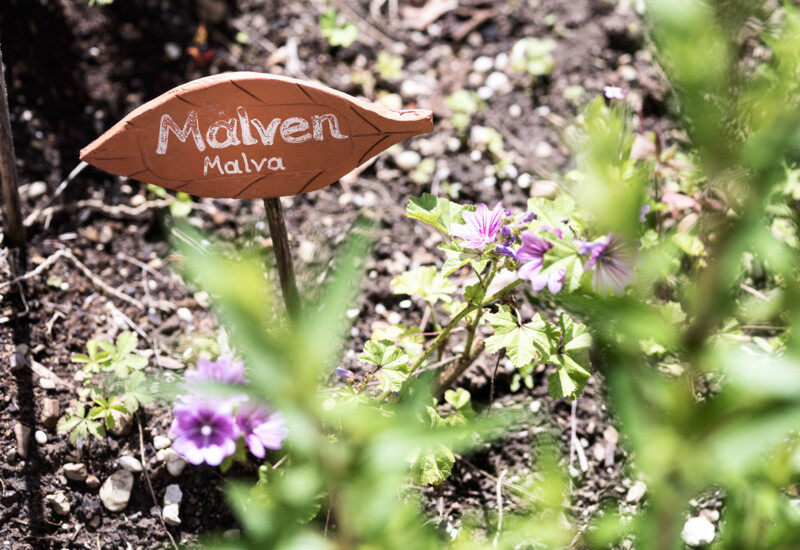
(432, 465)
(383, 354)
(475, 294)
(575, 336)
(394, 376)
(459, 398)
(335, 34)
(126, 343)
(96, 429)
(524, 343)
(560, 385)
(553, 212)
(426, 282)
(438, 212)
(68, 423)
(571, 360)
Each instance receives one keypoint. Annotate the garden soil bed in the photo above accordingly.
(73, 70)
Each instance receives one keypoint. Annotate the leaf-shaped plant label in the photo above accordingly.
(250, 135)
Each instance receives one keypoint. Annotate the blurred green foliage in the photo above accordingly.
(700, 358)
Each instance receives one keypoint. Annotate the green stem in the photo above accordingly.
(457, 319)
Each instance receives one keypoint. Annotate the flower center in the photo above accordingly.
(206, 430)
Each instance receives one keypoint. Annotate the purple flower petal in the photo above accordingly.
(533, 247)
(204, 430)
(611, 261)
(480, 227)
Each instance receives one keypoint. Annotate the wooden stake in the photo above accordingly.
(8, 171)
(283, 255)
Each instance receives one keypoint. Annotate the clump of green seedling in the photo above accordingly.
(113, 381)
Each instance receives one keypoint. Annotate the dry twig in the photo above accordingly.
(67, 254)
(149, 484)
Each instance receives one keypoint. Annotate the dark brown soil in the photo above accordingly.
(74, 69)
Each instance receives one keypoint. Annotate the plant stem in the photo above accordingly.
(457, 319)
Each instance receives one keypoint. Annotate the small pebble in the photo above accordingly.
(75, 472)
(636, 492)
(483, 64)
(515, 111)
(116, 490)
(130, 463)
(23, 435)
(184, 314)
(175, 463)
(498, 82)
(697, 532)
(47, 384)
(161, 442)
(172, 51)
(59, 502)
(92, 482)
(40, 436)
(407, 160)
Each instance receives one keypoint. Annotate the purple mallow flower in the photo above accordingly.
(643, 212)
(527, 217)
(584, 247)
(221, 371)
(481, 226)
(506, 231)
(260, 429)
(204, 430)
(532, 251)
(553, 280)
(611, 260)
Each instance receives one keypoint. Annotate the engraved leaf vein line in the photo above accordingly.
(248, 93)
(305, 93)
(366, 155)
(249, 185)
(378, 130)
(309, 182)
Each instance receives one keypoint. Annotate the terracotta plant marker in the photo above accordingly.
(250, 135)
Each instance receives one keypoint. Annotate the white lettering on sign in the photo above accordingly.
(225, 133)
(191, 126)
(232, 166)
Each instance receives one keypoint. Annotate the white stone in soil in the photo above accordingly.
(173, 494)
(161, 442)
(40, 436)
(184, 314)
(172, 502)
(130, 463)
(407, 160)
(697, 532)
(498, 82)
(636, 492)
(75, 472)
(116, 490)
(483, 64)
(59, 502)
(175, 463)
(171, 514)
(480, 136)
(123, 422)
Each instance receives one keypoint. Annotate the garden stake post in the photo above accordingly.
(283, 255)
(249, 135)
(8, 170)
